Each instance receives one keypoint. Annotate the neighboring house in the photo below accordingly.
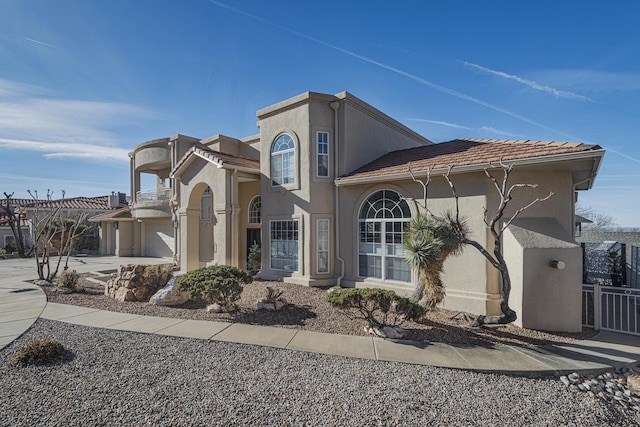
(74, 206)
(326, 188)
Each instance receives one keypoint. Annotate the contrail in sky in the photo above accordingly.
(533, 85)
(42, 43)
(413, 77)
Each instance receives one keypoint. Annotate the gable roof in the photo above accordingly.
(74, 203)
(215, 157)
(471, 154)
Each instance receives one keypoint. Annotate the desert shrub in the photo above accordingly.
(271, 295)
(378, 307)
(37, 352)
(69, 279)
(255, 257)
(219, 284)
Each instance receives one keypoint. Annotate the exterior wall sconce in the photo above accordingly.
(557, 264)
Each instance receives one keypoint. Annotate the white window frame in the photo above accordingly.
(297, 241)
(383, 247)
(255, 210)
(285, 159)
(205, 211)
(322, 244)
(320, 144)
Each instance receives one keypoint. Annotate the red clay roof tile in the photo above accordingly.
(463, 152)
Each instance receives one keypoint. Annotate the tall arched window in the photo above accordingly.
(255, 210)
(283, 163)
(382, 222)
(205, 205)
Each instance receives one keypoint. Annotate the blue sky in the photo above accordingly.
(82, 82)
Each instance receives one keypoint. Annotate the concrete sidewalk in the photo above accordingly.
(22, 303)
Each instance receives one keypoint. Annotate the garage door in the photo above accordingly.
(158, 239)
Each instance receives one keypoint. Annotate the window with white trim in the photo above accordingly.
(205, 205)
(283, 162)
(322, 242)
(283, 245)
(255, 210)
(322, 160)
(382, 222)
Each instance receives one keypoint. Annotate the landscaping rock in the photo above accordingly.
(168, 295)
(271, 306)
(217, 308)
(141, 282)
(392, 332)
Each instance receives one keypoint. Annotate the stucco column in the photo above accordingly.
(190, 239)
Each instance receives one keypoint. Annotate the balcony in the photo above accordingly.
(153, 156)
(152, 204)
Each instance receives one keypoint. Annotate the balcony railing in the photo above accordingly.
(153, 195)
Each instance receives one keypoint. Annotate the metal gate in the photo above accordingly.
(611, 308)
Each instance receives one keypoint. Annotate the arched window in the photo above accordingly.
(382, 222)
(205, 205)
(283, 163)
(255, 210)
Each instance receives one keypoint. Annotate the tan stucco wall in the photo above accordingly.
(544, 297)
(219, 240)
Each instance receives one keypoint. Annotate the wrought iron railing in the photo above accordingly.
(153, 195)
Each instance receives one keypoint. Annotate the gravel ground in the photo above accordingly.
(123, 378)
(308, 309)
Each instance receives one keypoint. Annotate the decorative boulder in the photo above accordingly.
(392, 332)
(124, 294)
(168, 295)
(217, 308)
(271, 306)
(140, 281)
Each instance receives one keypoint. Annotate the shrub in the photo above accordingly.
(37, 352)
(219, 284)
(69, 279)
(378, 307)
(255, 257)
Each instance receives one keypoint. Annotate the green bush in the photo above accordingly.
(220, 284)
(37, 352)
(378, 307)
(69, 279)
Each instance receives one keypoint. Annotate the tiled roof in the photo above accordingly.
(80, 203)
(124, 213)
(464, 152)
(216, 157)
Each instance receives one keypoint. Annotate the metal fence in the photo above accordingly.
(611, 308)
(604, 263)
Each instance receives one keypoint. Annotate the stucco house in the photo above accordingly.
(325, 187)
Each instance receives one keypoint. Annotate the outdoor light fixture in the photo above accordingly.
(557, 264)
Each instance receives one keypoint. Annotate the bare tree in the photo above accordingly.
(55, 231)
(496, 224)
(15, 222)
(599, 220)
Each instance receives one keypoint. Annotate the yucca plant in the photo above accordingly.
(427, 244)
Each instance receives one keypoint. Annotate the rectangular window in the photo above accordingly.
(9, 241)
(323, 245)
(283, 242)
(322, 139)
